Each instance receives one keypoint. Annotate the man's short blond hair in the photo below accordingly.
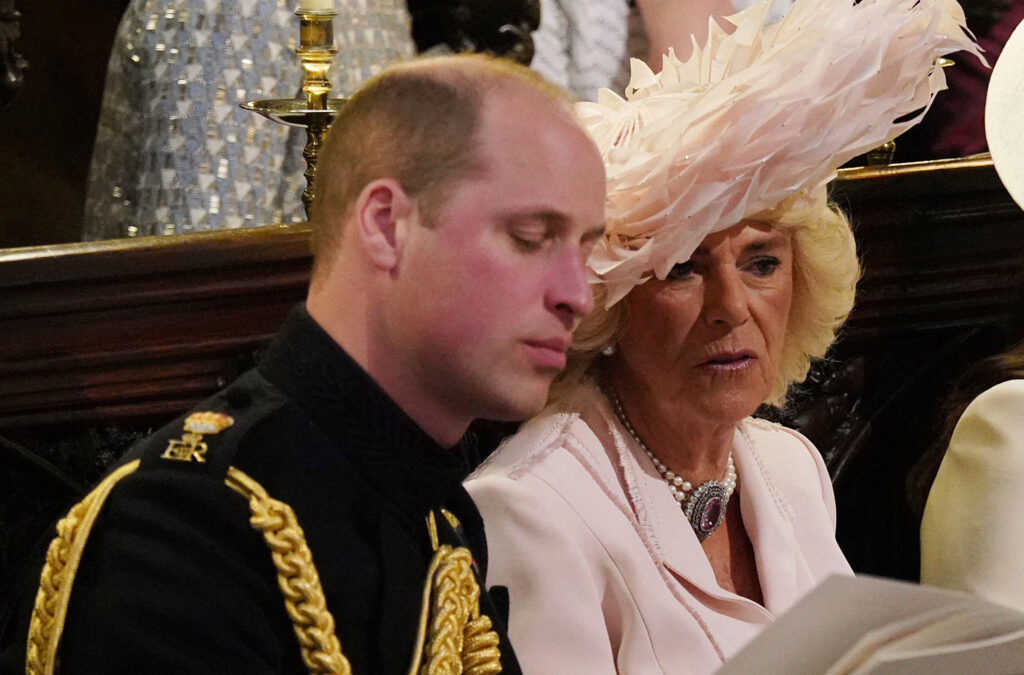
(418, 123)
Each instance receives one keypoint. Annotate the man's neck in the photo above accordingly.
(428, 412)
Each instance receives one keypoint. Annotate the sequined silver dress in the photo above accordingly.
(174, 153)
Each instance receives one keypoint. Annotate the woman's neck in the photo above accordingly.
(689, 443)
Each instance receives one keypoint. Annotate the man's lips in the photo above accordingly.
(549, 353)
(729, 361)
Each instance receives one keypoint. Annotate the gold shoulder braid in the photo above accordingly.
(62, 558)
(296, 576)
(461, 639)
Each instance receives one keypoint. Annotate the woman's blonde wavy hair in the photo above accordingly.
(825, 274)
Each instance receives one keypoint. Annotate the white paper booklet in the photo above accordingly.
(862, 625)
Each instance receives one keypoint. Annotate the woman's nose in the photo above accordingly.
(725, 298)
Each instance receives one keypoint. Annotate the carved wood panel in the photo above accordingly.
(12, 64)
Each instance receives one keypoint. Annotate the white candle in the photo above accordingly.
(315, 5)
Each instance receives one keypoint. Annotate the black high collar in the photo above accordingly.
(391, 451)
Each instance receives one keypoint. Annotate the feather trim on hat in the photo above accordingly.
(756, 117)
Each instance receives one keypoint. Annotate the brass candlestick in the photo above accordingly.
(315, 110)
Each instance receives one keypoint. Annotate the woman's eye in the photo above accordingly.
(764, 267)
(680, 271)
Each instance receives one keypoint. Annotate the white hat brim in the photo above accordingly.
(1004, 123)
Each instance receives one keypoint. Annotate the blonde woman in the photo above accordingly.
(645, 522)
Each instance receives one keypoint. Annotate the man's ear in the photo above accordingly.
(382, 212)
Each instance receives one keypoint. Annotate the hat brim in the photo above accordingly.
(1004, 126)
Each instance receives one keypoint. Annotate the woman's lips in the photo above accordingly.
(729, 361)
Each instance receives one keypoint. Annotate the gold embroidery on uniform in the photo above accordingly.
(452, 520)
(62, 558)
(208, 422)
(190, 447)
(461, 639)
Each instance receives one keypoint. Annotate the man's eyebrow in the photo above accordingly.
(551, 219)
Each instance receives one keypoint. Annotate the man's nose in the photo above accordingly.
(568, 292)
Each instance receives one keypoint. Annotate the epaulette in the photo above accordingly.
(208, 440)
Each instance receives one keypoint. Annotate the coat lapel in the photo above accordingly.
(767, 519)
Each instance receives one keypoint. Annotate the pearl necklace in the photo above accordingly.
(705, 506)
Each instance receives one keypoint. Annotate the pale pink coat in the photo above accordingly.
(603, 571)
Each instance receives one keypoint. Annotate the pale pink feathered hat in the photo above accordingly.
(757, 117)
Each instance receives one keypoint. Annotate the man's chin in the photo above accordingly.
(521, 407)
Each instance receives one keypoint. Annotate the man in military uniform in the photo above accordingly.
(310, 516)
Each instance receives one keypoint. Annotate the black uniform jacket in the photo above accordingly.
(174, 578)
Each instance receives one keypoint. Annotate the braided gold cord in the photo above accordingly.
(461, 640)
(58, 575)
(450, 612)
(296, 576)
(480, 654)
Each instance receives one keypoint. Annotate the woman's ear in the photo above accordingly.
(382, 212)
